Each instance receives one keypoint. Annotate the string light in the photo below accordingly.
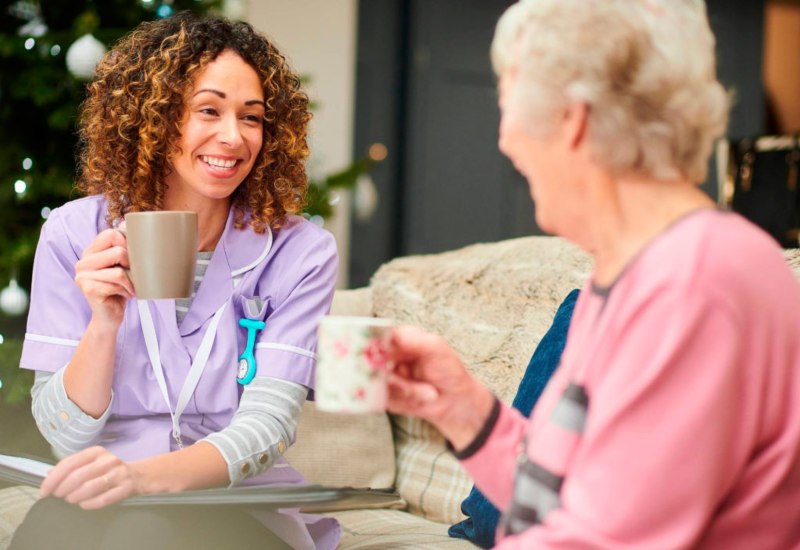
(378, 152)
(27, 163)
(55, 49)
(46, 212)
(164, 11)
(30, 43)
(20, 187)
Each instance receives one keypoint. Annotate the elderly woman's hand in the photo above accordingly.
(430, 381)
(100, 274)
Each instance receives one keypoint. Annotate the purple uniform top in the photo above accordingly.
(292, 269)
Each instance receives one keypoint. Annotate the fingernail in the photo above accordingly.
(428, 394)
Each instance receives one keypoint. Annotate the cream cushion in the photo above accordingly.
(344, 450)
(14, 504)
(382, 529)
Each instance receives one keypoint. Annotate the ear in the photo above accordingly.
(576, 120)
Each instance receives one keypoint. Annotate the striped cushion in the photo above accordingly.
(381, 529)
(14, 504)
(429, 478)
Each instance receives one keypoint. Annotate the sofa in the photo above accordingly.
(493, 302)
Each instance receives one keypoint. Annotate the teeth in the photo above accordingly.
(219, 163)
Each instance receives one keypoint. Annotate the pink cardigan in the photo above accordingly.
(691, 364)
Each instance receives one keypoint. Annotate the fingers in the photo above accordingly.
(100, 272)
(104, 283)
(88, 480)
(114, 485)
(115, 494)
(106, 239)
(410, 342)
(92, 478)
(112, 256)
(427, 376)
(66, 466)
(410, 394)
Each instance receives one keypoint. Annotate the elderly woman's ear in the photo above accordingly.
(575, 123)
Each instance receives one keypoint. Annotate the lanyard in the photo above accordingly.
(195, 372)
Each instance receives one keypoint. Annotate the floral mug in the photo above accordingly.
(353, 359)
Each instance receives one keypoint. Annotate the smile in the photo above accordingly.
(218, 162)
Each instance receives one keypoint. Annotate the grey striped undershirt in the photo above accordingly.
(182, 304)
(262, 428)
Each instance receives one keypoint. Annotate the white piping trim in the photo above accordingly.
(286, 347)
(258, 260)
(51, 340)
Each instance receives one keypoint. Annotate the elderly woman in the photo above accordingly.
(673, 420)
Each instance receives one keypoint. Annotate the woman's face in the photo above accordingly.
(540, 159)
(221, 134)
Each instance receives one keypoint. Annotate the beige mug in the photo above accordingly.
(162, 251)
(353, 360)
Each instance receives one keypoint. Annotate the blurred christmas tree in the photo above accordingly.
(48, 50)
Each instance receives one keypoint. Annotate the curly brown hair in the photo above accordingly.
(131, 118)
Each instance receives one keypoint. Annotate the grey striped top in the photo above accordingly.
(182, 304)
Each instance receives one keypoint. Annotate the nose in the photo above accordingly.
(229, 132)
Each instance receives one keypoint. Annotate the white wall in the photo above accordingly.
(319, 39)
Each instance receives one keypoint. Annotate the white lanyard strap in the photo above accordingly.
(195, 372)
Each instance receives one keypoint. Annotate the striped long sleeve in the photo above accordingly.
(262, 428)
(61, 422)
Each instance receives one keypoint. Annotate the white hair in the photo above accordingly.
(646, 70)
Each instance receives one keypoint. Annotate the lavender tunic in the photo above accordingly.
(292, 269)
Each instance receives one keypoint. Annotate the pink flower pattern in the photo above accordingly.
(377, 355)
(340, 348)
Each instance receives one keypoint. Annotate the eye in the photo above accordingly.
(209, 111)
(253, 118)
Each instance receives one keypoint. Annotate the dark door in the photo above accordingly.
(462, 189)
(427, 91)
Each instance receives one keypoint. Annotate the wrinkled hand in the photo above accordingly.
(100, 274)
(92, 478)
(428, 378)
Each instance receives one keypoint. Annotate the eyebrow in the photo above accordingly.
(223, 96)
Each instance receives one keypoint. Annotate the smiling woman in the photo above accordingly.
(199, 114)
